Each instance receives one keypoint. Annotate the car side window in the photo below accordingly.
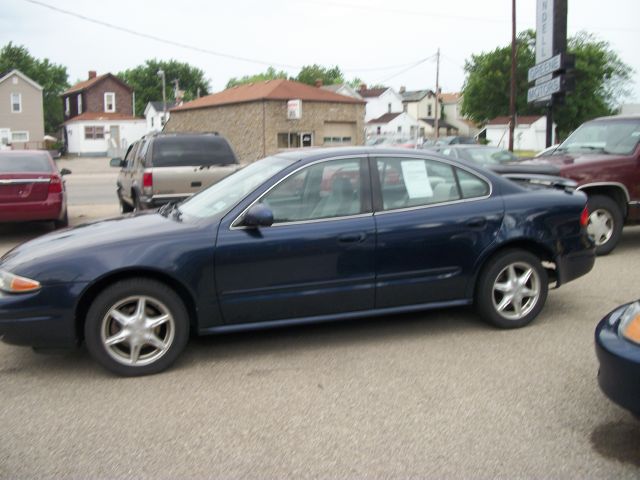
(470, 185)
(323, 190)
(412, 182)
(131, 153)
(142, 152)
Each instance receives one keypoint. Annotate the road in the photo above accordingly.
(431, 395)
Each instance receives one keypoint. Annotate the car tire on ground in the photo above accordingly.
(63, 222)
(136, 327)
(124, 206)
(137, 204)
(605, 223)
(512, 289)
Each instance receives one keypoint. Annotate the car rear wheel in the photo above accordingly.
(512, 289)
(124, 206)
(63, 222)
(136, 327)
(605, 223)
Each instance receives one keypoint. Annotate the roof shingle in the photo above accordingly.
(280, 89)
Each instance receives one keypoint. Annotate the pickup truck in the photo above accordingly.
(603, 157)
(169, 167)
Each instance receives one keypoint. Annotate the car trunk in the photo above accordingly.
(24, 187)
(180, 180)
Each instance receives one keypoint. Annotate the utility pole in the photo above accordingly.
(436, 123)
(512, 96)
(164, 96)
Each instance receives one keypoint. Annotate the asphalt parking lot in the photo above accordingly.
(431, 395)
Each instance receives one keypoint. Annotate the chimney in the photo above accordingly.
(318, 82)
(92, 74)
(363, 86)
(403, 89)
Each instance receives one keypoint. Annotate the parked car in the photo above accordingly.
(484, 155)
(547, 151)
(618, 351)
(299, 237)
(32, 188)
(603, 157)
(167, 167)
(456, 140)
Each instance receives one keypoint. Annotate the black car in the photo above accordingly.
(618, 351)
(300, 237)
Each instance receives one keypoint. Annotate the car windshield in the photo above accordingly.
(489, 155)
(24, 163)
(222, 196)
(612, 136)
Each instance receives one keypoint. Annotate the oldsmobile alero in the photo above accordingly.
(303, 236)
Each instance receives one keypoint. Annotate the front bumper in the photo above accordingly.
(619, 373)
(42, 319)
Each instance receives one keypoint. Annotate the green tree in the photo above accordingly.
(147, 84)
(53, 79)
(601, 81)
(310, 73)
(269, 74)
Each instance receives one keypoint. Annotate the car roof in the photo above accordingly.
(634, 116)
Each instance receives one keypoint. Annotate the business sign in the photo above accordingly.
(544, 36)
(294, 109)
(544, 90)
(545, 68)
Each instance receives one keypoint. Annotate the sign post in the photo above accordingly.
(551, 45)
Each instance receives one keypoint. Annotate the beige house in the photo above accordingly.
(452, 110)
(21, 111)
(262, 118)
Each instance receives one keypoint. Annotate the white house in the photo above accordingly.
(380, 101)
(529, 134)
(452, 113)
(102, 134)
(399, 125)
(154, 113)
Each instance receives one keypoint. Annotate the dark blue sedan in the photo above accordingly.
(300, 237)
(618, 350)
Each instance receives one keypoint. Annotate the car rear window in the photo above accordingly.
(24, 163)
(193, 150)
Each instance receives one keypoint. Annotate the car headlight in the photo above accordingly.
(630, 323)
(15, 284)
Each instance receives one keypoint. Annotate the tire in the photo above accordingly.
(605, 223)
(124, 206)
(503, 276)
(137, 204)
(136, 327)
(62, 223)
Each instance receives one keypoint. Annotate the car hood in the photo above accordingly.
(84, 242)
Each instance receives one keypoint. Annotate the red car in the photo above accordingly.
(32, 188)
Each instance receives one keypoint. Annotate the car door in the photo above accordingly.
(317, 259)
(433, 221)
(124, 177)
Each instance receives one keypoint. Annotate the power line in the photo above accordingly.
(414, 65)
(193, 47)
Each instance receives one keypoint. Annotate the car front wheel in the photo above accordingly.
(512, 289)
(605, 223)
(136, 327)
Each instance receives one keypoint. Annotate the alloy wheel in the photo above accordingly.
(516, 290)
(137, 331)
(600, 226)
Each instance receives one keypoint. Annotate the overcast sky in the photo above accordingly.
(357, 35)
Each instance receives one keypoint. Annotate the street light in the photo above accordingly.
(164, 97)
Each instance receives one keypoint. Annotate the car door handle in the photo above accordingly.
(478, 222)
(352, 237)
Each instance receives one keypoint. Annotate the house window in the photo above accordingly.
(16, 102)
(93, 133)
(19, 136)
(289, 140)
(337, 141)
(109, 102)
(67, 107)
(79, 104)
(399, 129)
(405, 108)
(388, 108)
(151, 122)
(429, 111)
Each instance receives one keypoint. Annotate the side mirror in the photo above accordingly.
(117, 162)
(65, 171)
(259, 215)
